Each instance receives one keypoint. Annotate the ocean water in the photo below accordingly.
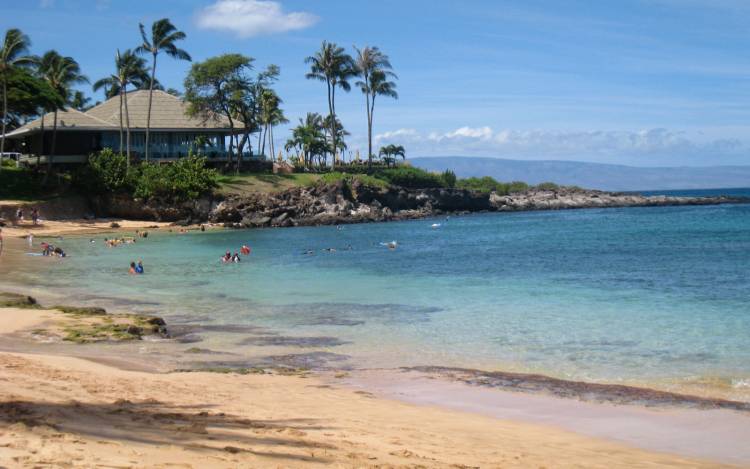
(655, 295)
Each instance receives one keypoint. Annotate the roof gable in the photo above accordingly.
(167, 112)
(66, 119)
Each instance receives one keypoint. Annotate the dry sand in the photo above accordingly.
(61, 411)
(67, 227)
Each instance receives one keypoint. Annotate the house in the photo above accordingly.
(173, 133)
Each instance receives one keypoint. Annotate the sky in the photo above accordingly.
(637, 82)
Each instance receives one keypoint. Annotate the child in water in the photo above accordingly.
(131, 271)
(139, 267)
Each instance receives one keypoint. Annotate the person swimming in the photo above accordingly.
(245, 250)
(227, 257)
(236, 257)
(132, 271)
(139, 268)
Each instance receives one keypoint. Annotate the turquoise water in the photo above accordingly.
(654, 295)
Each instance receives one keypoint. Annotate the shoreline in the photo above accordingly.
(441, 394)
(696, 393)
(75, 401)
(672, 429)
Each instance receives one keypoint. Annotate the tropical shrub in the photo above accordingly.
(106, 171)
(184, 179)
(413, 178)
(349, 179)
(449, 178)
(517, 186)
(547, 186)
(488, 184)
(484, 184)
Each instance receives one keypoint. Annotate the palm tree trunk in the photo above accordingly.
(231, 139)
(121, 134)
(41, 150)
(127, 121)
(150, 97)
(369, 133)
(273, 149)
(51, 155)
(5, 118)
(332, 112)
(263, 144)
(369, 124)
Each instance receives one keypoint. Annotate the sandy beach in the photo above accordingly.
(69, 405)
(77, 227)
(58, 410)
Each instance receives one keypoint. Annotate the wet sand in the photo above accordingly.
(714, 434)
(56, 410)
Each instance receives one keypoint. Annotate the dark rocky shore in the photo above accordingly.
(343, 203)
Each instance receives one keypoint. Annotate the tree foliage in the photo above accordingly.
(374, 67)
(29, 96)
(332, 65)
(184, 179)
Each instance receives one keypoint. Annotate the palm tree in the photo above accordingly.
(389, 153)
(271, 115)
(341, 134)
(61, 73)
(15, 45)
(163, 37)
(308, 137)
(129, 70)
(375, 69)
(277, 118)
(80, 101)
(335, 67)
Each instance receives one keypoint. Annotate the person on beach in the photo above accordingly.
(131, 271)
(1, 240)
(19, 215)
(35, 216)
(30, 239)
(139, 267)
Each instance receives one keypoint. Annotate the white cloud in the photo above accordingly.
(247, 18)
(395, 135)
(645, 147)
(481, 133)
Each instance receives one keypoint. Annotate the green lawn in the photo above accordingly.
(246, 183)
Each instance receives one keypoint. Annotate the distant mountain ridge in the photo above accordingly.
(602, 176)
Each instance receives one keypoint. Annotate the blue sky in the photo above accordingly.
(641, 82)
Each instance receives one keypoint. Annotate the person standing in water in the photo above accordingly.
(131, 271)
(139, 267)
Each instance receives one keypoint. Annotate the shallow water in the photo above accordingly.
(656, 295)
